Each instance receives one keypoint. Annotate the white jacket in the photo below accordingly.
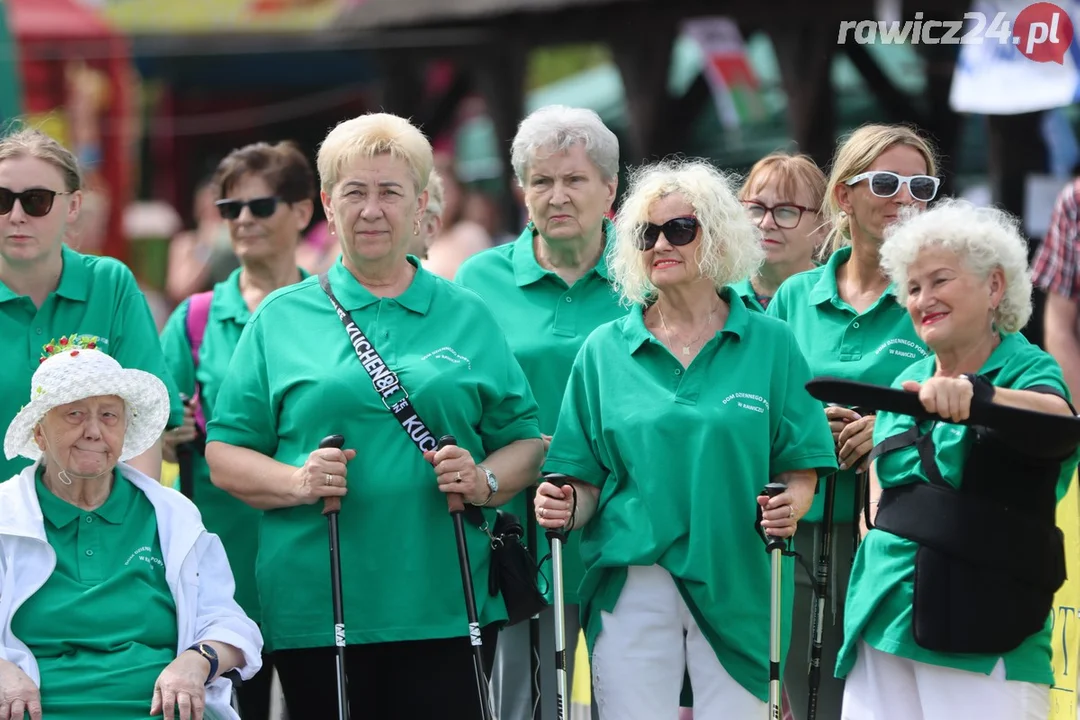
(196, 570)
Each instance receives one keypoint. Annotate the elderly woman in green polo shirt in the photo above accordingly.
(549, 290)
(849, 325)
(674, 419)
(49, 291)
(265, 195)
(297, 375)
(782, 195)
(963, 274)
(115, 601)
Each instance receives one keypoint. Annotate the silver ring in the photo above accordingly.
(329, 478)
(543, 512)
(792, 507)
(458, 478)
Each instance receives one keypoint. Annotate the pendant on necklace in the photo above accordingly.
(685, 349)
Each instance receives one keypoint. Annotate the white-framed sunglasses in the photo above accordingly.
(885, 184)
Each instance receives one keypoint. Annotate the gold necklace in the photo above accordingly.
(686, 346)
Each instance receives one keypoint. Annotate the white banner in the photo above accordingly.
(1016, 57)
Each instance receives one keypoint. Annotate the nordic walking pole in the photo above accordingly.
(456, 503)
(775, 547)
(821, 584)
(557, 538)
(185, 461)
(536, 708)
(331, 507)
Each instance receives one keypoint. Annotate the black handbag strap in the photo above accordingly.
(387, 385)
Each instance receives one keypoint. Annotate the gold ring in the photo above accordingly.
(329, 478)
(543, 512)
(792, 511)
(458, 476)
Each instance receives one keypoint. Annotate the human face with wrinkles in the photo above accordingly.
(668, 265)
(787, 247)
(25, 240)
(873, 214)
(374, 209)
(949, 305)
(85, 437)
(566, 195)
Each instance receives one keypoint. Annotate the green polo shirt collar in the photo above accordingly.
(60, 513)
(527, 270)
(74, 278)
(354, 296)
(637, 334)
(229, 303)
(825, 289)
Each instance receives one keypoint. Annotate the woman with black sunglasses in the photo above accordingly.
(782, 195)
(674, 419)
(849, 325)
(50, 293)
(266, 196)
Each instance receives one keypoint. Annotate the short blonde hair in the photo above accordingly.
(29, 142)
(371, 135)
(855, 153)
(434, 194)
(729, 246)
(983, 238)
(789, 173)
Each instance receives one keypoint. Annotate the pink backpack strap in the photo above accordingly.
(198, 316)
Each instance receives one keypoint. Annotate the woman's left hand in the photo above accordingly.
(781, 513)
(180, 688)
(948, 397)
(456, 472)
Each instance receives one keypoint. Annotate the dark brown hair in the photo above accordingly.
(283, 166)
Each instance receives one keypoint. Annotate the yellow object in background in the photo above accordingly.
(170, 475)
(1065, 641)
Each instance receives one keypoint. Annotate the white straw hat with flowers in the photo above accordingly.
(74, 369)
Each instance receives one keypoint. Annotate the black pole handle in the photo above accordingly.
(774, 543)
(558, 480)
(454, 501)
(332, 504)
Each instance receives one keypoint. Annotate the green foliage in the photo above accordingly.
(551, 64)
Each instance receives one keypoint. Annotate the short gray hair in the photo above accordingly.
(983, 238)
(556, 128)
(729, 248)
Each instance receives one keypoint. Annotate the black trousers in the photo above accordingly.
(254, 694)
(412, 680)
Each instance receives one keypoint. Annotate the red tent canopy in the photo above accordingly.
(53, 34)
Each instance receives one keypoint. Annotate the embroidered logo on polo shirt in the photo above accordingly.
(903, 348)
(746, 401)
(145, 554)
(450, 355)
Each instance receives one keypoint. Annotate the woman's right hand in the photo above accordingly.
(322, 475)
(839, 418)
(19, 696)
(553, 505)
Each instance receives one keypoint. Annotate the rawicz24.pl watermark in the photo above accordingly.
(1041, 32)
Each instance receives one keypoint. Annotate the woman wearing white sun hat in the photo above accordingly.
(114, 600)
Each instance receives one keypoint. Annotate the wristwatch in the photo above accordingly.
(493, 484)
(211, 655)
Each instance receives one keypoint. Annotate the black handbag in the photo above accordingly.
(513, 570)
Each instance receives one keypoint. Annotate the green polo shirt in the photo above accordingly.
(103, 626)
(545, 322)
(97, 296)
(680, 456)
(295, 379)
(881, 592)
(746, 293)
(235, 522)
(871, 347)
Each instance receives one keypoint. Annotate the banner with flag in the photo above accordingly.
(727, 69)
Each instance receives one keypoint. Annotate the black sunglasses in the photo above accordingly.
(678, 231)
(35, 203)
(262, 207)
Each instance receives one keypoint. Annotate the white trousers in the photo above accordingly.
(886, 687)
(644, 648)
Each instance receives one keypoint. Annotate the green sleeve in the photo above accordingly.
(177, 349)
(136, 345)
(245, 413)
(510, 412)
(574, 447)
(801, 437)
